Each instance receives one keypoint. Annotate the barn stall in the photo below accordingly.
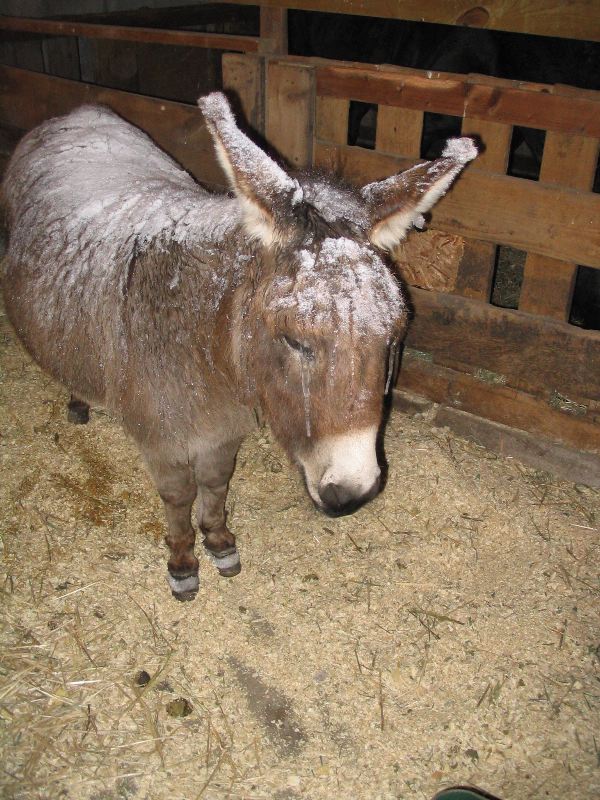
(446, 633)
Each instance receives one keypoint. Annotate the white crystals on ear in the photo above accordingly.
(264, 189)
(461, 150)
(398, 203)
(419, 222)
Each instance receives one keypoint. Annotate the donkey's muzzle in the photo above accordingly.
(338, 499)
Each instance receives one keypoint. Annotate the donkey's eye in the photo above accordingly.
(303, 349)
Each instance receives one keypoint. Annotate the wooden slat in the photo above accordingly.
(273, 31)
(180, 17)
(548, 283)
(243, 74)
(495, 100)
(288, 114)
(178, 73)
(476, 271)
(23, 51)
(547, 287)
(331, 119)
(123, 33)
(399, 131)
(61, 57)
(569, 161)
(28, 98)
(495, 138)
(577, 19)
(525, 352)
(499, 403)
(494, 208)
(534, 450)
(110, 64)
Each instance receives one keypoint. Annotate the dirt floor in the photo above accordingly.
(447, 633)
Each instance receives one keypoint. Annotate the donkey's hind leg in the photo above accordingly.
(213, 471)
(177, 489)
(78, 411)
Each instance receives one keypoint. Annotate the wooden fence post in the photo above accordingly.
(547, 282)
(273, 31)
(290, 110)
(476, 271)
(243, 76)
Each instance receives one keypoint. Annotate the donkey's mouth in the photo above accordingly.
(335, 500)
(338, 501)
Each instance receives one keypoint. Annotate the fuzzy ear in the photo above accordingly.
(265, 190)
(398, 203)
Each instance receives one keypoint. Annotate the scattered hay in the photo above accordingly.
(446, 633)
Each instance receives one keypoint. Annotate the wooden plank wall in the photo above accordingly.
(527, 367)
(126, 33)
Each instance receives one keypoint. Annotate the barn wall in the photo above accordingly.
(53, 8)
(527, 368)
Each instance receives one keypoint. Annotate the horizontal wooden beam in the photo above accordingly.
(28, 98)
(168, 16)
(545, 358)
(531, 449)
(543, 452)
(577, 19)
(124, 33)
(557, 222)
(499, 403)
(477, 97)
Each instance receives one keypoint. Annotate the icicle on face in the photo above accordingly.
(391, 365)
(305, 372)
(332, 362)
(352, 351)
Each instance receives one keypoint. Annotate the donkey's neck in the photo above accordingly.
(206, 266)
(237, 269)
(209, 222)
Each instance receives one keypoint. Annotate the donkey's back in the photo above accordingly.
(86, 195)
(89, 177)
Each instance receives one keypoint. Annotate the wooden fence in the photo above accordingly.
(526, 368)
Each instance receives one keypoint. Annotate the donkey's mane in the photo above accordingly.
(331, 208)
(318, 228)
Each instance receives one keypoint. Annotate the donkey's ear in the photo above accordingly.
(398, 203)
(266, 191)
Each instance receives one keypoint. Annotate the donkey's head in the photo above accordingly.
(324, 312)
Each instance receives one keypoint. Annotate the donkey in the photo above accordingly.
(183, 312)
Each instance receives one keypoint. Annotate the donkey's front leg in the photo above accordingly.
(177, 488)
(213, 471)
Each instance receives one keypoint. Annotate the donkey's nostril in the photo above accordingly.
(335, 496)
(338, 499)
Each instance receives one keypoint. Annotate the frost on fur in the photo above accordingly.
(462, 150)
(399, 203)
(265, 190)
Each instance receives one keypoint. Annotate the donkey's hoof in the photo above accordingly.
(228, 563)
(183, 597)
(230, 572)
(78, 412)
(184, 588)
